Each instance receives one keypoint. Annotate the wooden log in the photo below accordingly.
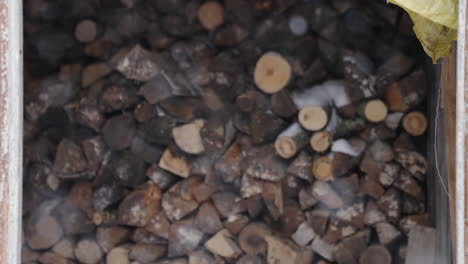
(86, 31)
(159, 225)
(353, 214)
(376, 254)
(387, 233)
(408, 223)
(174, 163)
(187, 137)
(211, 15)
(184, 238)
(303, 235)
(118, 255)
(111, 236)
(392, 70)
(313, 118)
(375, 111)
(290, 141)
(284, 251)
(272, 73)
(300, 167)
(223, 244)
(137, 63)
(358, 71)
(324, 193)
(373, 214)
(406, 183)
(88, 251)
(127, 168)
(393, 120)
(415, 123)
(43, 232)
(178, 201)
(265, 126)
(272, 194)
(321, 141)
(252, 239)
(413, 162)
(118, 131)
(208, 219)
(391, 204)
(146, 253)
(322, 168)
(140, 206)
(323, 248)
(235, 223)
(407, 93)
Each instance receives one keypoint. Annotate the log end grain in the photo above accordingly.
(272, 73)
(375, 111)
(322, 168)
(211, 15)
(285, 147)
(86, 31)
(415, 123)
(313, 118)
(375, 254)
(321, 141)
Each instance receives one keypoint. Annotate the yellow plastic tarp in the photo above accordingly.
(435, 24)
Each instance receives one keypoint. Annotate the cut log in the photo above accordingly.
(408, 223)
(391, 204)
(118, 255)
(187, 137)
(387, 233)
(140, 206)
(146, 253)
(87, 251)
(43, 232)
(318, 220)
(301, 166)
(321, 141)
(211, 15)
(174, 163)
(373, 214)
(247, 102)
(313, 118)
(408, 184)
(413, 162)
(94, 72)
(136, 63)
(323, 248)
(284, 251)
(111, 236)
(290, 141)
(303, 235)
(375, 110)
(272, 73)
(118, 131)
(184, 238)
(393, 120)
(208, 219)
(223, 244)
(178, 202)
(272, 194)
(65, 248)
(358, 70)
(86, 31)
(235, 223)
(415, 123)
(376, 254)
(252, 239)
(265, 126)
(322, 168)
(324, 193)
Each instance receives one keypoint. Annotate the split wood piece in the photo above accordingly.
(347, 186)
(376, 254)
(250, 259)
(201, 256)
(358, 70)
(292, 217)
(265, 126)
(208, 219)
(187, 137)
(147, 253)
(389, 174)
(422, 244)
(282, 251)
(140, 206)
(73, 220)
(303, 235)
(159, 225)
(392, 70)
(145, 151)
(228, 165)
(247, 102)
(373, 214)
(266, 165)
(228, 203)
(318, 220)
(322, 168)
(110, 236)
(86, 31)
(407, 93)
(184, 238)
(223, 244)
(325, 193)
(323, 248)
(52, 258)
(412, 205)
(375, 110)
(321, 141)
(353, 214)
(81, 195)
(387, 232)
(290, 141)
(127, 168)
(94, 72)
(117, 98)
(235, 223)
(391, 204)
(313, 118)
(415, 123)
(118, 131)
(178, 201)
(272, 73)
(413, 162)
(252, 238)
(140, 235)
(43, 232)
(371, 188)
(174, 163)
(137, 63)
(408, 223)
(211, 15)
(409, 185)
(393, 120)
(87, 251)
(301, 166)
(282, 104)
(118, 255)
(350, 248)
(337, 230)
(272, 194)
(306, 199)
(69, 160)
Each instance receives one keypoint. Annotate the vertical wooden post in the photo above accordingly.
(11, 130)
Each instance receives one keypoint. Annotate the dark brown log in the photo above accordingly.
(146, 253)
(235, 223)
(184, 237)
(407, 93)
(208, 219)
(230, 35)
(371, 188)
(353, 214)
(406, 183)
(391, 204)
(110, 237)
(359, 79)
(373, 214)
(284, 251)
(86, 31)
(178, 202)
(392, 70)
(43, 232)
(301, 166)
(272, 194)
(283, 105)
(252, 239)
(227, 203)
(88, 251)
(265, 126)
(159, 225)
(223, 245)
(73, 220)
(265, 165)
(70, 161)
(118, 131)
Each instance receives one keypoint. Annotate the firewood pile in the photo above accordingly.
(235, 131)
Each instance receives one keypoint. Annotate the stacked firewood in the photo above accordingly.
(235, 131)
